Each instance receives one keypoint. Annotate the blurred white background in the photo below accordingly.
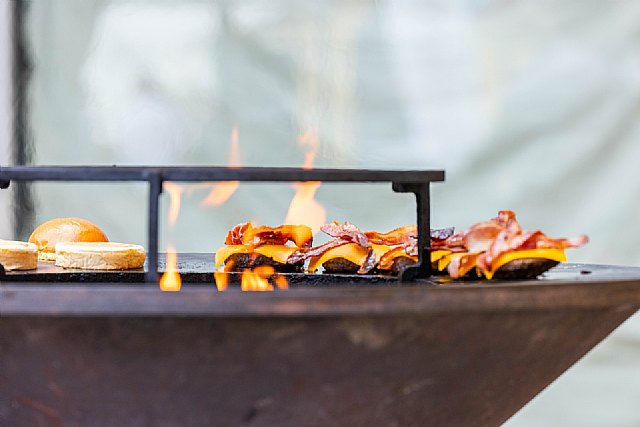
(528, 105)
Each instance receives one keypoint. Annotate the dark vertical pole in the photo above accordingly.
(422, 270)
(155, 189)
(22, 147)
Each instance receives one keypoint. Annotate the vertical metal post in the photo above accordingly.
(22, 145)
(155, 189)
(422, 269)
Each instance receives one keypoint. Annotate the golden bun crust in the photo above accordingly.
(18, 255)
(99, 255)
(61, 230)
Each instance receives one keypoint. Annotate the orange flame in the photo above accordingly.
(175, 200)
(222, 191)
(256, 280)
(170, 280)
(222, 280)
(304, 208)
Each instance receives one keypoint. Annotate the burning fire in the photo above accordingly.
(304, 208)
(175, 196)
(221, 192)
(258, 279)
(170, 280)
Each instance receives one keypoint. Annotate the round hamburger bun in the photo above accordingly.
(62, 230)
(18, 255)
(99, 255)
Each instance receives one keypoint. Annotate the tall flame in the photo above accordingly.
(304, 208)
(175, 200)
(170, 280)
(222, 191)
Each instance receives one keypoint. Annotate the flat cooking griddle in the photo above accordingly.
(198, 268)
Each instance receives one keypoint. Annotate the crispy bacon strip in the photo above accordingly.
(510, 240)
(343, 234)
(386, 260)
(247, 234)
(346, 231)
(234, 237)
(399, 236)
(306, 253)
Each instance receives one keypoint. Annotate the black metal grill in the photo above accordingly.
(403, 181)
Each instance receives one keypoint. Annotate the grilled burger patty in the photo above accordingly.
(247, 261)
(340, 266)
(524, 269)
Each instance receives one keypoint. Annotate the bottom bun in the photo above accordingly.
(46, 256)
(18, 255)
(99, 255)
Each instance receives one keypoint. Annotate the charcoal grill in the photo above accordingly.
(102, 348)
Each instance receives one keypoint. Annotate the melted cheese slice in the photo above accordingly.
(550, 254)
(435, 255)
(438, 255)
(278, 253)
(351, 252)
(466, 265)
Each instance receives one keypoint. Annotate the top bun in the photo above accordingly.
(62, 230)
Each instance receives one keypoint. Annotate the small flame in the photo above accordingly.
(281, 282)
(175, 200)
(222, 191)
(222, 280)
(170, 280)
(256, 280)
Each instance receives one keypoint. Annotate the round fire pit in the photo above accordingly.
(455, 354)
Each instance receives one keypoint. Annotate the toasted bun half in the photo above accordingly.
(18, 255)
(62, 230)
(99, 256)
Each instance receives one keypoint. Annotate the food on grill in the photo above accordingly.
(18, 255)
(349, 252)
(353, 251)
(248, 246)
(61, 230)
(499, 248)
(99, 255)
(400, 247)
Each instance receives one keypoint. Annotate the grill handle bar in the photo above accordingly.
(404, 181)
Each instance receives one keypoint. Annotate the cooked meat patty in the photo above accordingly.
(248, 261)
(524, 269)
(340, 266)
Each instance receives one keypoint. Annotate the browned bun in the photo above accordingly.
(64, 230)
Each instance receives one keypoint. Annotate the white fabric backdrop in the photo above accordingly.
(528, 105)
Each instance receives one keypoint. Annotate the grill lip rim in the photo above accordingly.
(142, 300)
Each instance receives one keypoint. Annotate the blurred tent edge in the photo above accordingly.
(6, 224)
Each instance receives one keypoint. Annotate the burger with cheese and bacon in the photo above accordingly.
(499, 248)
(248, 246)
(353, 251)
